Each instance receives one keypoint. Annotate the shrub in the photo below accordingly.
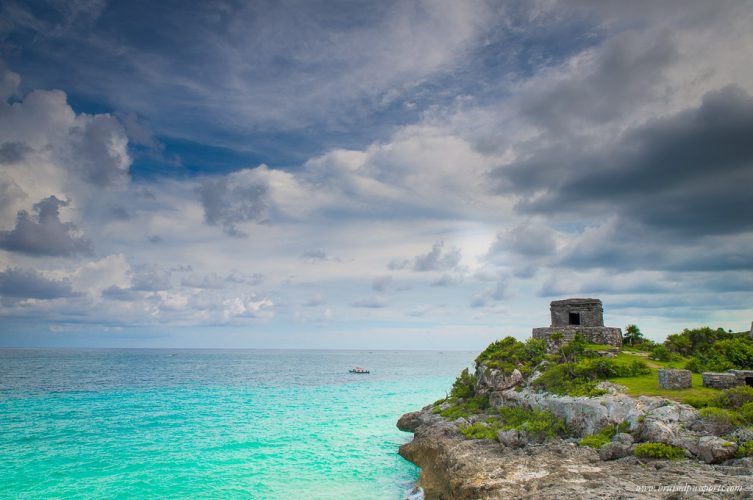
(721, 419)
(691, 342)
(464, 385)
(723, 355)
(580, 378)
(698, 401)
(745, 450)
(466, 407)
(746, 413)
(600, 438)
(540, 424)
(661, 353)
(480, 430)
(658, 450)
(508, 354)
(734, 397)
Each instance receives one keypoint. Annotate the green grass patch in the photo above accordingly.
(658, 450)
(648, 384)
(597, 347)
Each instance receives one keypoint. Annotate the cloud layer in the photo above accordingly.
(295, 174)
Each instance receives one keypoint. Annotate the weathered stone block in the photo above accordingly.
(719, 380)
(675, 379)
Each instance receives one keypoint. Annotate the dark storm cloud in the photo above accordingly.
(28, 284)
(44, 233)
(688, 174)
(227, 206)
(625, 71)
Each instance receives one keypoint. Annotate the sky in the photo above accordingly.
(377, 175)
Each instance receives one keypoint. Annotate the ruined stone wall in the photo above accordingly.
(675, 379)
(595, 335)
(590, 310)
(719, 380)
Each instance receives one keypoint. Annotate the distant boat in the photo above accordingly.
(358, 369)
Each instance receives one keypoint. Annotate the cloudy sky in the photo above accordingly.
(348, 174)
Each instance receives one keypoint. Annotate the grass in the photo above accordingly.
(598, 347)
(648, 385)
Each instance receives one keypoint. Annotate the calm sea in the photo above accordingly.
(212, 423)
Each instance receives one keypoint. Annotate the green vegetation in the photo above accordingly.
(711, 350)
(745, 450)
(541, 424)
(464, 385)
(576, 369)
(605, 435)
(658, 450)
(580, 378)
(723, 355)
(509, 354)
(599, 439)
(632, 336)
(730, 409)
(464, 408)
(722, 419)
(480, 430)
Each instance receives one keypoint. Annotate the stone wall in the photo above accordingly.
(675, 379)
(744, 377)
(590, 310)
(719, 380)
(595, 335)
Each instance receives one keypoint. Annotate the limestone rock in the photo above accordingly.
(715, 450)
(409, 422)
(493, 379)
(512, 438)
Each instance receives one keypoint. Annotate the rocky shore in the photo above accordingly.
(455, 467)
(517, 464)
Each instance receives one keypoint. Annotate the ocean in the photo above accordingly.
(150, 423)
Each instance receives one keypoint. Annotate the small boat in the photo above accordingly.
(358, 369)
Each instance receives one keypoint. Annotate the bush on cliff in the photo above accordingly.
(658, 450)
(604, 436)
(464, 407)
(580, 378)
(509, 353)
(723, 355)
(464, 385)
(481, 430)
(539, 424)
(745, 450)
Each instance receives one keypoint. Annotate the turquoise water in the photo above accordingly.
(190, 423)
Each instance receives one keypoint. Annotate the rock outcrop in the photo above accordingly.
(453, 467)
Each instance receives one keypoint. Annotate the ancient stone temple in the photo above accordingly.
(584, 316)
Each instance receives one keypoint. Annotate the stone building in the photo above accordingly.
(584, 316)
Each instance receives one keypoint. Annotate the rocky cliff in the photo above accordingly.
(517, 463)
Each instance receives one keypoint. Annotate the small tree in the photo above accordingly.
(632, 335)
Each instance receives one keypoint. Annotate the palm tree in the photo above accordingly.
(632, 335)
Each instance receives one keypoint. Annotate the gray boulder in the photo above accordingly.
(715, 450)
(512, 438)
(493, 379)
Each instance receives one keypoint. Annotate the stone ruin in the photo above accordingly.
(732, 378)
(675, 379)
(584, 316)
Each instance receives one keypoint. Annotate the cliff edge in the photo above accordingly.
(499, 434)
